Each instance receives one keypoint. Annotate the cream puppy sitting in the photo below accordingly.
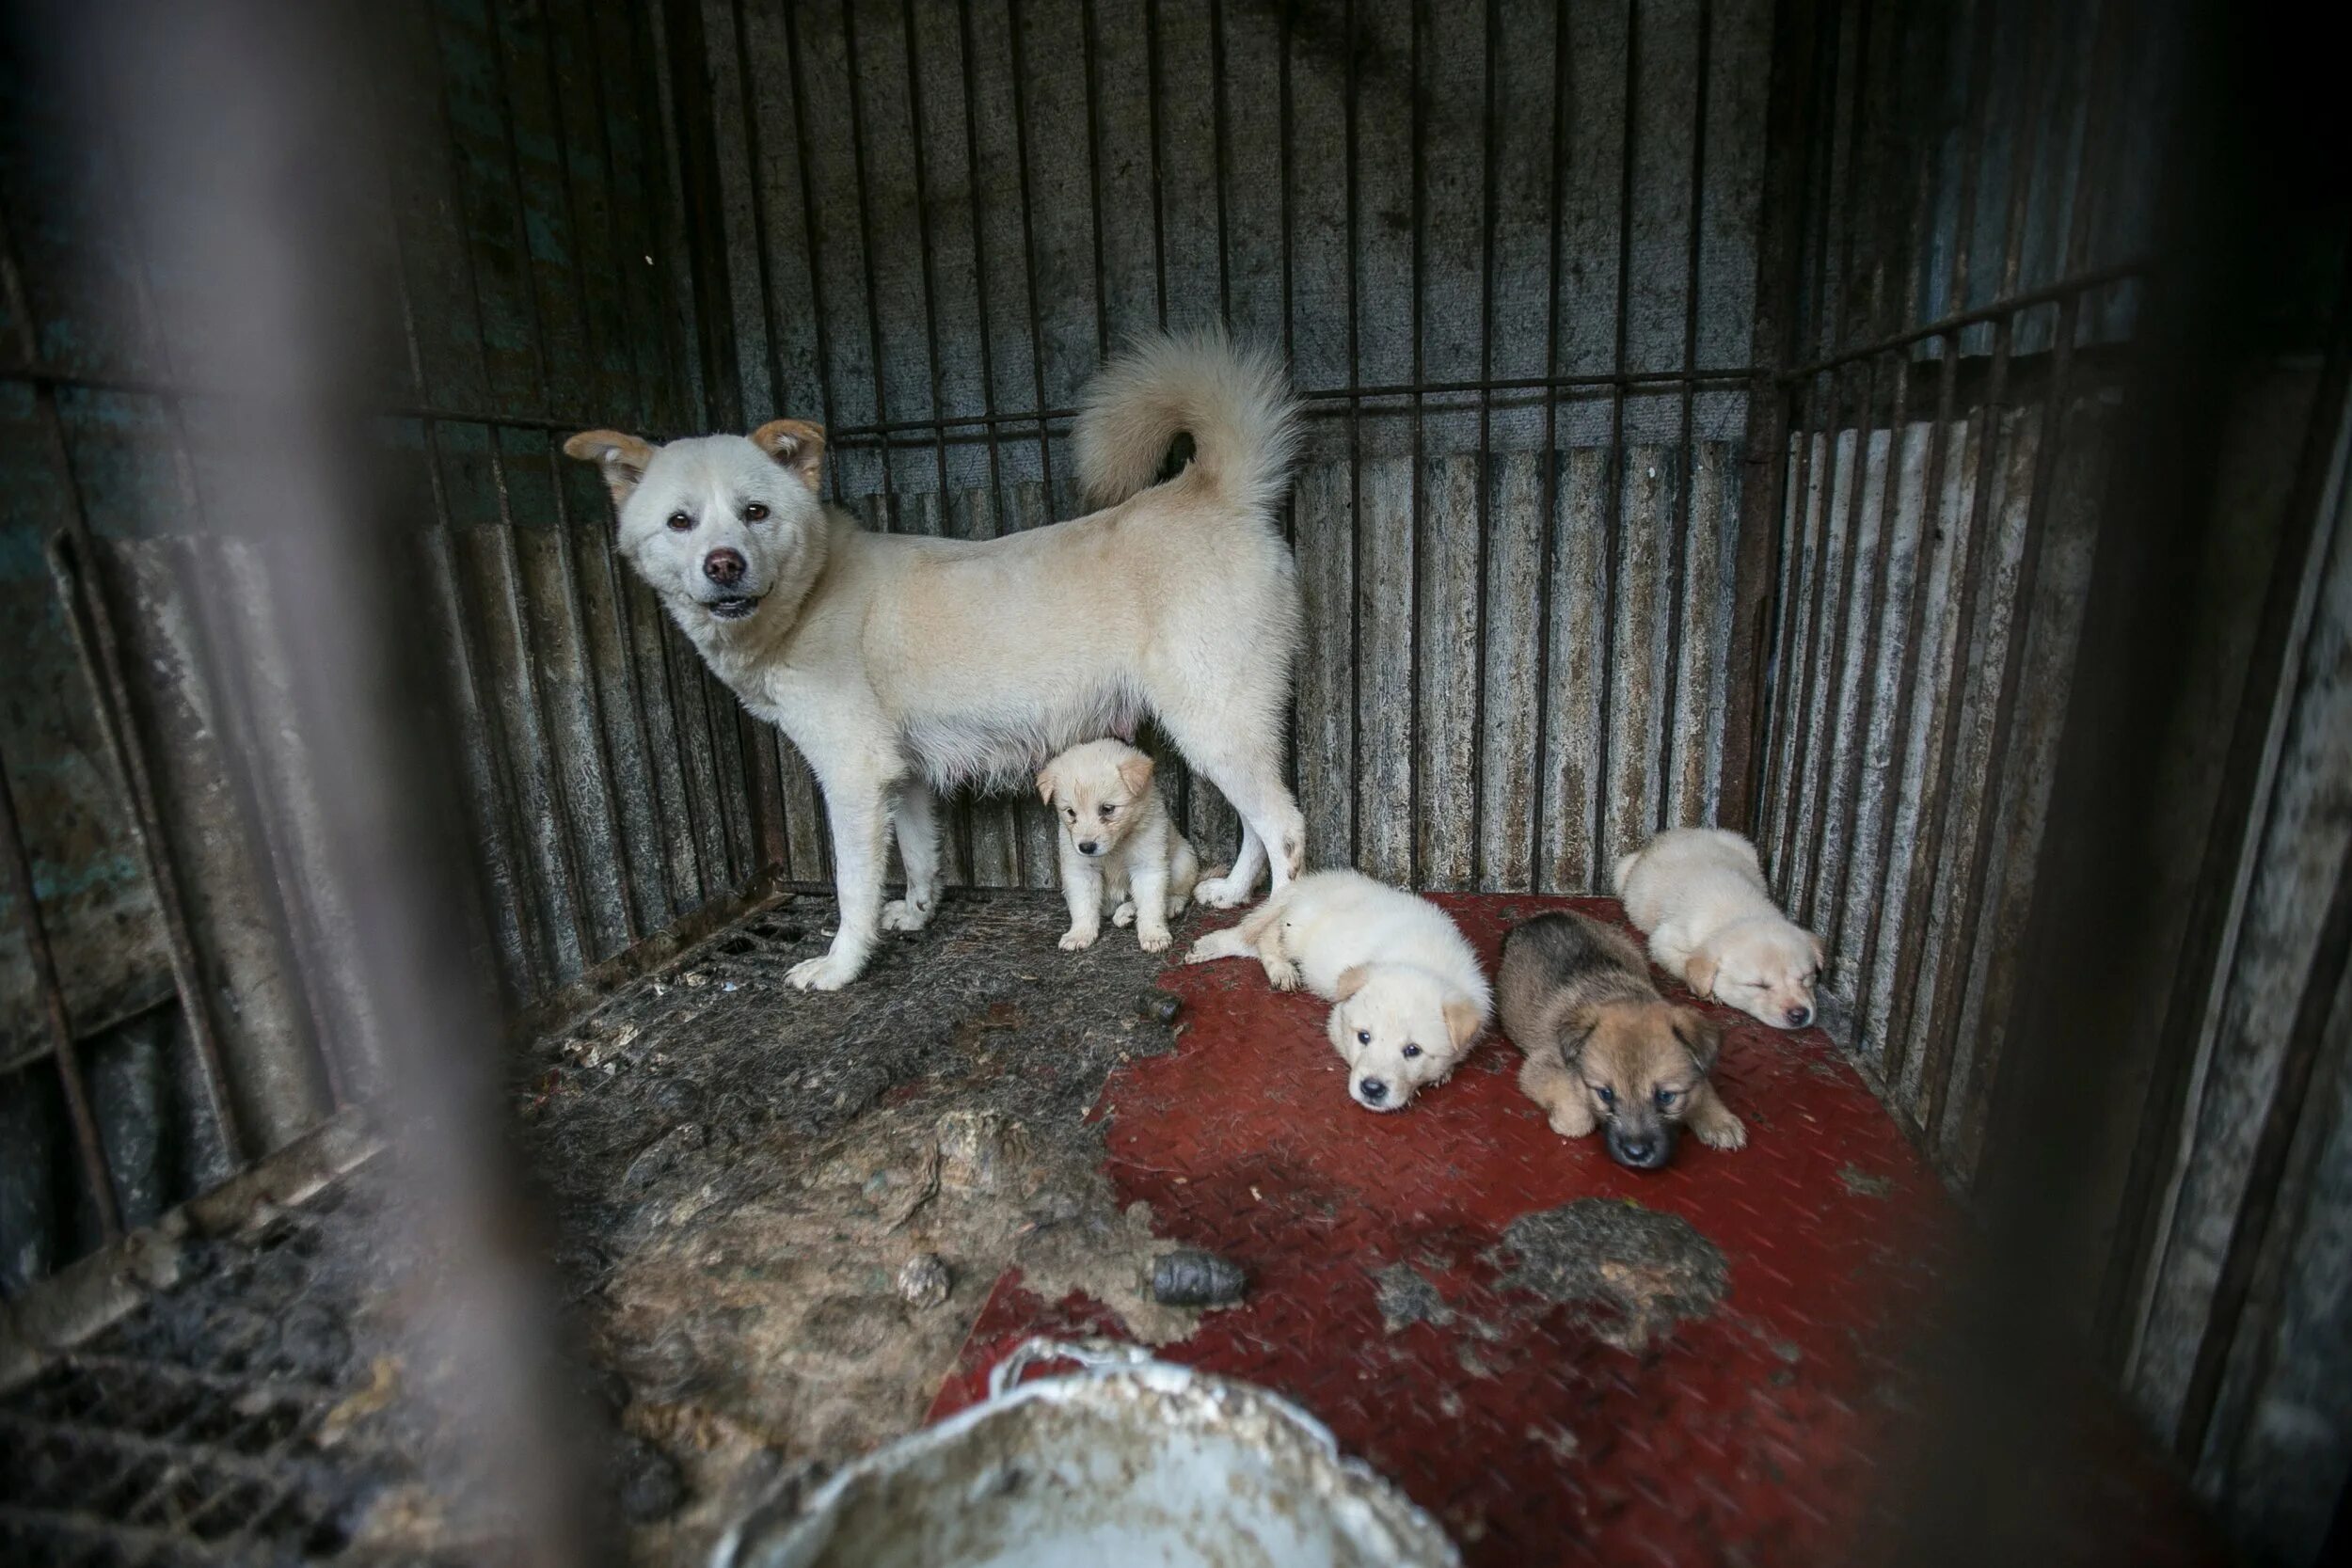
(1407, 993)
(1118, 843)
(1700, 895)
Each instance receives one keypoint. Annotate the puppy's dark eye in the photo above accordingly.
(1666, 1099)
(755, 514)
(1606, 1095)
(1363, 1037)
(680, 522)
(1106, 812)
(1411, 1051)
(1071, 812)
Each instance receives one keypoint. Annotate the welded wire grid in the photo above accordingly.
(1937, 433)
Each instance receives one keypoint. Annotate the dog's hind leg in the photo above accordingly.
(914, 815)
(857, 807)
(1248, 771)
(1241, 940)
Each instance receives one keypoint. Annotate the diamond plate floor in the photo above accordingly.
(1749, 1434)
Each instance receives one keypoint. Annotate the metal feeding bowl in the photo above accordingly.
(1128, 1461)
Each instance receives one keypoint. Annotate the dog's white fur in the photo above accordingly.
(1117, 844)
(1700, 895)
(902, 665)
(1409, 995)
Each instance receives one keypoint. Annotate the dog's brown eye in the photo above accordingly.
(1412, 1050)
(680, 522)
(755, 514)
(1106, 812)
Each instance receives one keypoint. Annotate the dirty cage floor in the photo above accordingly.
(1559, 1358)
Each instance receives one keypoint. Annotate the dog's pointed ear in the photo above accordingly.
(1821, 954)
(1462, 1021)
(1698, 973)
(797, 444)
(1575, 1030)
(1700, 1035)
(1135, 773)
(1350, 981)
(622, 459)
(1045, 782)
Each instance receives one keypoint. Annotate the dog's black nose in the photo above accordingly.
(724, 567)
(1637, 1151)
(1373, 1089)
(1800, 1017)
(1086, 847)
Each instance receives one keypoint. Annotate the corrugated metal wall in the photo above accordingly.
(1509, 252)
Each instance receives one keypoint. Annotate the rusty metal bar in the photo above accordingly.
(889, 507)
(1354, 460)
(1028, 236)
(16, 864)
(1536, 868)
(1417, 19)
(1489, 179)
(817, 308)
(1669, 698)
(1613, 543)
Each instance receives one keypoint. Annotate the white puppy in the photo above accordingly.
(1701, 896)
(900, 664)
(1116, 843)
(1409, 992)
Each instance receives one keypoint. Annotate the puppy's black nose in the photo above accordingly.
(1373, 1089)
(1086, 847)
(1636, 1152)
(1800, 1017)
(724, 567)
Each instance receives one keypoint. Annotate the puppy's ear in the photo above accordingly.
(797, 444)
(622, 459)
(1698, 973)
(1461, 1021)
(1135, 773)
(1700, 1036)
(1350, 982)
(1821, 954)
(1575, 1030)
(1045, 782)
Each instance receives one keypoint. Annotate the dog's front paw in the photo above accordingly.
(1281, 975)
(830, 972)
(1571, 1123)
(1152, 938)
(1723, 1131)
(905, 914)
(1076, 941)
(1125, 916)
(1221, 893)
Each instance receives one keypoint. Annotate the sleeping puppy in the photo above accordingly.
(1116, 843)
(1603, 1047)
(1700, 895)
(1408, 994)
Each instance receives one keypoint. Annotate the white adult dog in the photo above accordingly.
(1700, 894)
(903, 665)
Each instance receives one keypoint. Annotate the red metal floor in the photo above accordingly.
(1746, 1435)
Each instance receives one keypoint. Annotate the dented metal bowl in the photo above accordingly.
(1127, 1461)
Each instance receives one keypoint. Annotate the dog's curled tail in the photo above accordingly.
(1234, 403)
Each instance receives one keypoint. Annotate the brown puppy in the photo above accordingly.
(1603, 1047)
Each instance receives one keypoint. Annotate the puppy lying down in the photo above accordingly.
(1117, 844)
(1408, 994)
(1701, 896)
(1604, 1049)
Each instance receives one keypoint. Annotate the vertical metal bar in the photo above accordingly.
(816, 309)
(1028, 237)
(865, 255)
(923, 237)
(1551, 435)
(1354, 466)
(1094, 185)
(1485, 441)
(1159, 195)
(1289, 22)
(1670, 701)
(1415, 20)
(16, 864)
(1223, 164)
(1611, 542)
